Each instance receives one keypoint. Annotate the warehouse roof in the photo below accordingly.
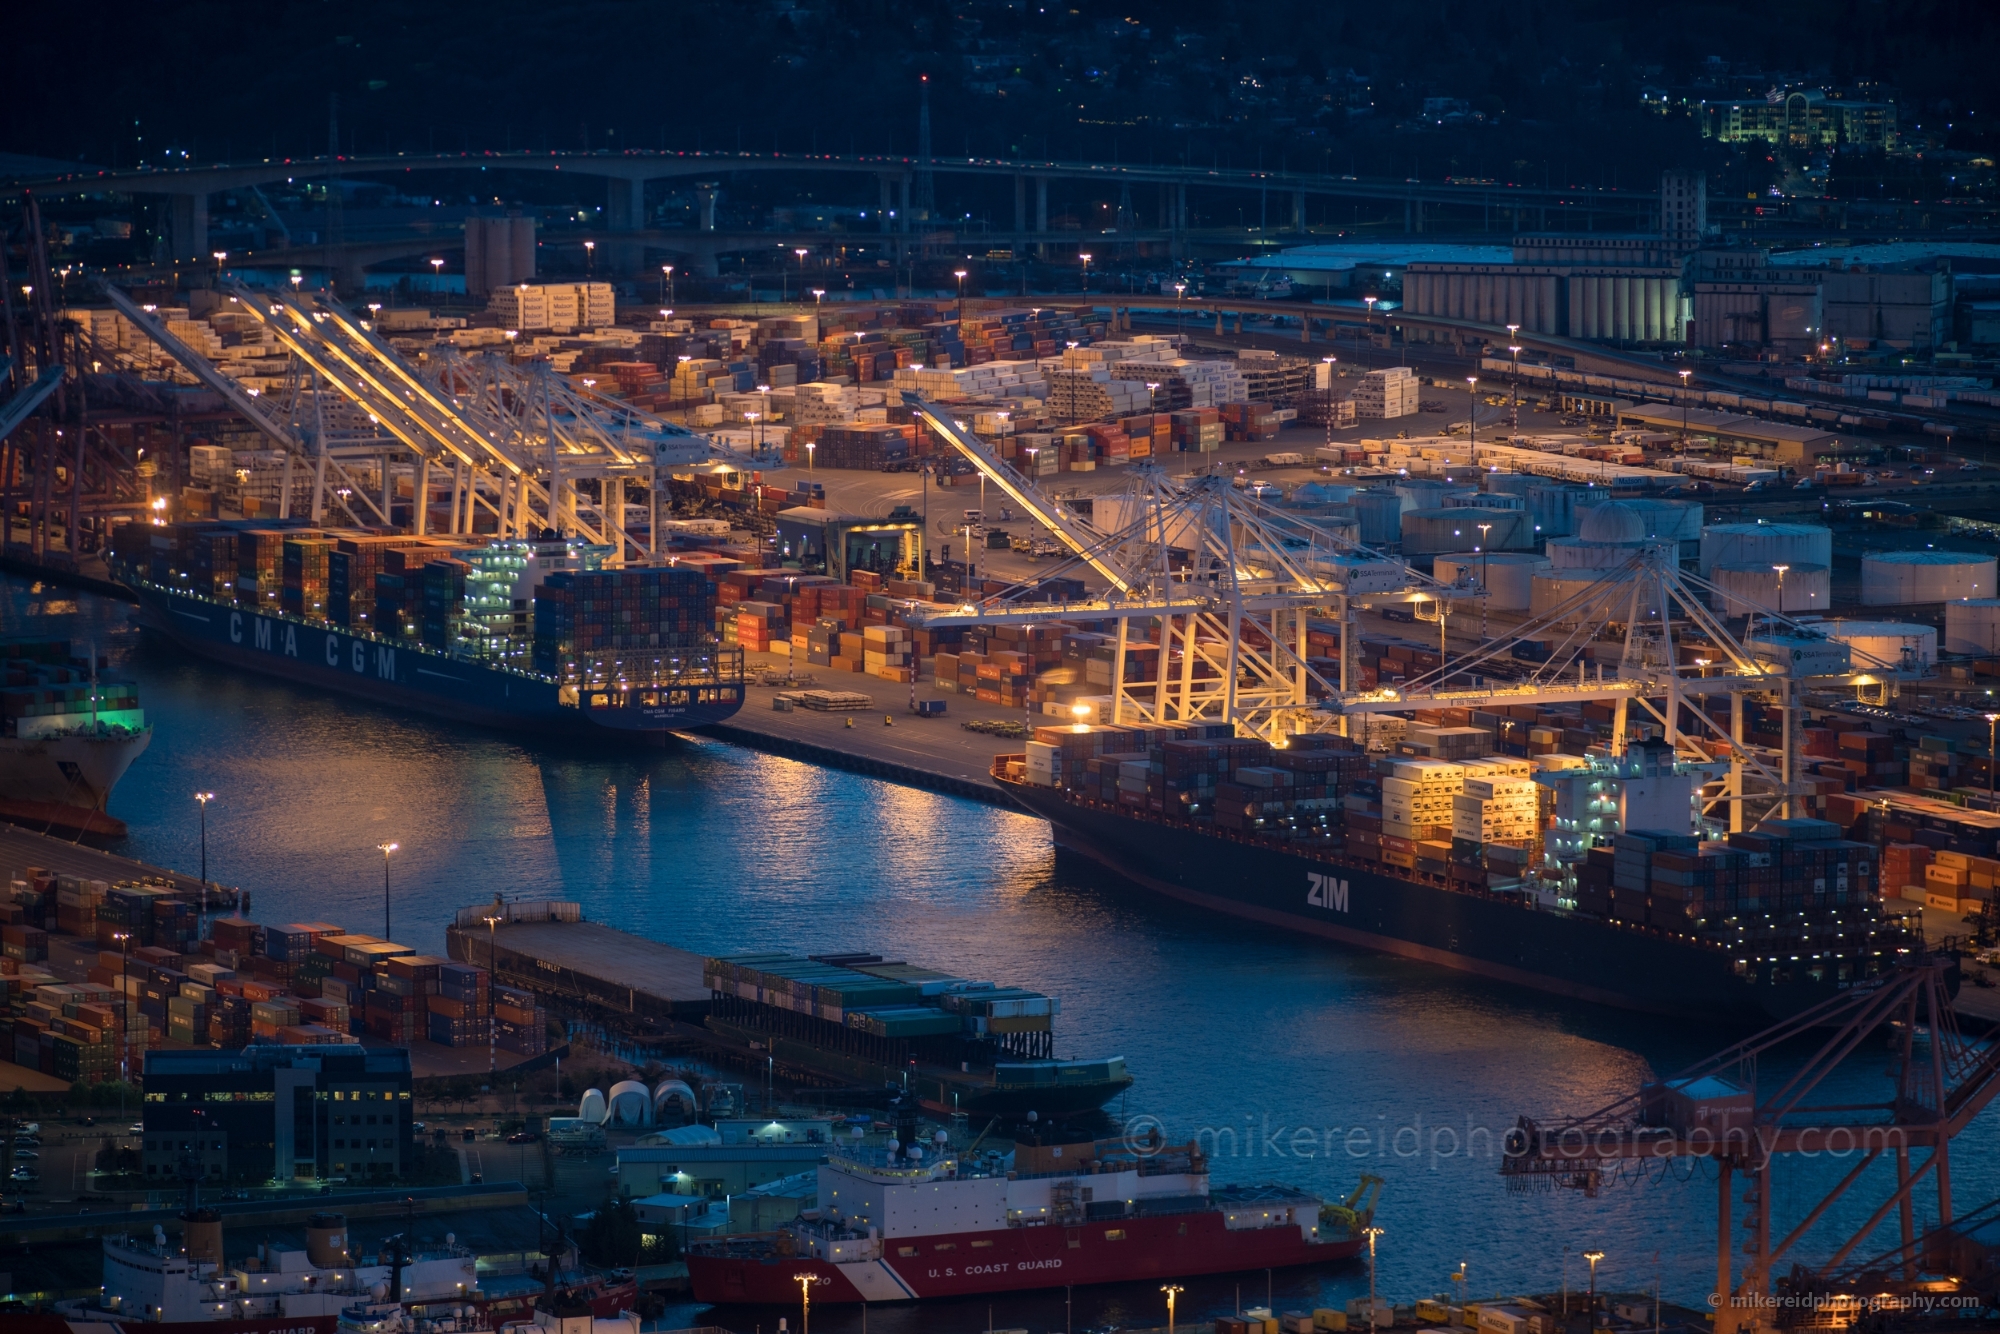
(1385, 254)
(1724, 424)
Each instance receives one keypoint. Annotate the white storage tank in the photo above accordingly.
(1765, 544)
(1509, 575)
(1744, 588)
(1672, 520)
(1903, 578)
(1381, 514)
(1555, 506)
(1434, 532)
(1885, 645)
(1972, 626)
(1552, 588)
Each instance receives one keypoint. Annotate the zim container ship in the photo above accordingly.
(952, 1044)
(1763, 926)
(521, 635)
(895, 1224)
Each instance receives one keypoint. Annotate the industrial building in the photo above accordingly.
(725, 1160)
(1793, 446)
(278, 1113)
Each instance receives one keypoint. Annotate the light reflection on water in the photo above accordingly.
(1225, 1024)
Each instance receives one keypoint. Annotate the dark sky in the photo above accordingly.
(1302, 81)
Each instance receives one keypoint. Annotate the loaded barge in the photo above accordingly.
(876, 1026)
(1763, 925)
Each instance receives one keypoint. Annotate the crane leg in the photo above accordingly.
(1726, 1311)
(1906, 1215)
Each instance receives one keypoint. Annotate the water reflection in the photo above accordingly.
(1226, 1025)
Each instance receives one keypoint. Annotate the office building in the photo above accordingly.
(270, 1112)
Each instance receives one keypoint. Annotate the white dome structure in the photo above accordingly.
(1509, 576)
(1613, 523)
(1765, 544)
(1972, 626)
(674, 1090)
(629, 1103)
(591, 1109)
(1904, 578)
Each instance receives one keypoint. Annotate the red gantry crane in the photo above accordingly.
(1732, 1112)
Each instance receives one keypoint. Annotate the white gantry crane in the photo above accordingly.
(1231, 581)
(1655, 601)
(513, 441)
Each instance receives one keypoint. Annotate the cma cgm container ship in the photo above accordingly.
(523, 635)
(1755, 931)
(898, 1224)
(952, 1044)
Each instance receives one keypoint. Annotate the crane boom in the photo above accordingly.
(1082, 539)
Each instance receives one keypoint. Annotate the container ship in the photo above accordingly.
(1762, 925)
(951, 1044)
(532, 636)
(67, 736)
(1044, 1216)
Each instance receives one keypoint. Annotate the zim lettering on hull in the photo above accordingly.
(1325, 891)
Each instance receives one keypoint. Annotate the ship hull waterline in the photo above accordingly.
(407, 676)
(1020, 1259)
(1338, 898)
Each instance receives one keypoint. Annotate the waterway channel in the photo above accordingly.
(1325, 1062)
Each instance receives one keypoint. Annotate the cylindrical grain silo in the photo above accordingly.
(1972, 626)
(1765, 544)
(1744, 588)
(1885, 645)
(1509, 576)
(1904, 578)
(1434, 532)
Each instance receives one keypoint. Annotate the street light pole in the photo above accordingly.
(386, 848)
(1593, 1257)
(1172, 1290)
(1371, 1232)
(1991, 719)
(960, 275)
(1484, 597)
(204, 798)
(492, 961)
(1086, 272)
(1472, 410)
(1514, 380)
(1684, 410)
